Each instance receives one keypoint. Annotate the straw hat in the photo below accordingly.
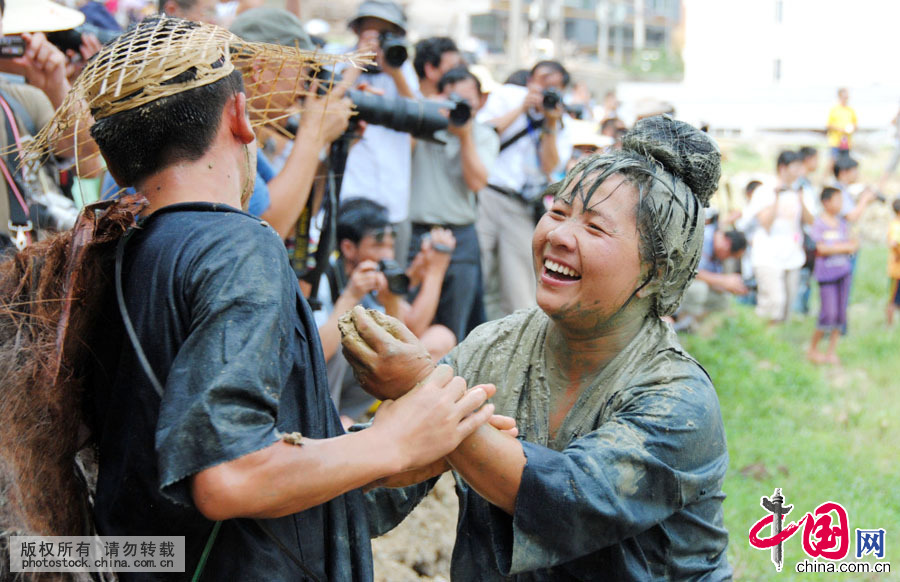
(38, 16)
(587, 133)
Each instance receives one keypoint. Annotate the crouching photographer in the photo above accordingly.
(365, 273)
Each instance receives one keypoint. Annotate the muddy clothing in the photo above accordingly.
(221, 318)
(630, 488)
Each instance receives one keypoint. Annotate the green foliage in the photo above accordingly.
(741, 158)
(820, 433)
(654, 64)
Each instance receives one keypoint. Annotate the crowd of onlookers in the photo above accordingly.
(793, 236)
(437, 230)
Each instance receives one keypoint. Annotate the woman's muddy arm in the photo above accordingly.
(492, 463)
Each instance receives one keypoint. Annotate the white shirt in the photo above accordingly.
(781, 246)
(378, 166)
(519, 164)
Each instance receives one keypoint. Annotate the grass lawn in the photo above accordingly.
(820, 433)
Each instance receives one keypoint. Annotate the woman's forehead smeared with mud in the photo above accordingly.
(588, 177)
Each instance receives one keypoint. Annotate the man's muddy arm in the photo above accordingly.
(283, 478)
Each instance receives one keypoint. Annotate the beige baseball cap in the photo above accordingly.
(38, 16)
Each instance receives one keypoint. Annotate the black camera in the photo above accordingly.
(394, 48)
(419, 118)
(71, 39)
(552, 98)
(12, 47)
(397, 280)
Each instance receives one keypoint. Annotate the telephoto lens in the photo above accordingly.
(419, 118)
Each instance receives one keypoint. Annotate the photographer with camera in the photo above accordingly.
(378, 167)
(445, 180)
(32, 201)
(534, 143)
(365, 273)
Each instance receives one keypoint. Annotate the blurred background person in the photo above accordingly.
(894, 262)
(534, 145)
(778, 239)
(712, 288)
(35, 202)
(196, 10)
(434, 57)
(378, 167)
(446, 179)
(841, 126)
(834, 247)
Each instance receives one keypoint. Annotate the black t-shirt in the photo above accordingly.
(220, 315)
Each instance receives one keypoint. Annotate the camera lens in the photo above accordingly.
(552, 98)
(394, 48)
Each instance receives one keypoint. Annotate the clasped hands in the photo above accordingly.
(391, 364)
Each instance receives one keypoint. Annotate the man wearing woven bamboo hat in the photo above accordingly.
(213, 416)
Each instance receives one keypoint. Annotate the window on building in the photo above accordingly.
(777, 72)
(779, 11)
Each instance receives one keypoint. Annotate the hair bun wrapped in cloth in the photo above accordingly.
(681, 149)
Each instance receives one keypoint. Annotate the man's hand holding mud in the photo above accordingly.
(387, 358)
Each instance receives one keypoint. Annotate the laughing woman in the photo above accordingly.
(617, 470)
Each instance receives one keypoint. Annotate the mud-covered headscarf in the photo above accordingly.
(675, 169)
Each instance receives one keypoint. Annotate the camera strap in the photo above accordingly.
(19, 225)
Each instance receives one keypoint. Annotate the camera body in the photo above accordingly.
(71, 39)
(397, 280)
(12, 47)
(552, 98)
(394, 48)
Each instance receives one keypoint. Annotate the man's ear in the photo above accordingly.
(431, 73)
(240, 121)
(347, 248)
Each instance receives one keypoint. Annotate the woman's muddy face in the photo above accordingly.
(587, 259)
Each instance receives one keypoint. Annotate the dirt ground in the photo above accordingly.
(420, 547)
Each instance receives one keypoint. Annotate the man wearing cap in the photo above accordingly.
(378, 166)
(26, 108)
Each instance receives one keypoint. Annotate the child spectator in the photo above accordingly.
(834, 247)
(894, 262)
